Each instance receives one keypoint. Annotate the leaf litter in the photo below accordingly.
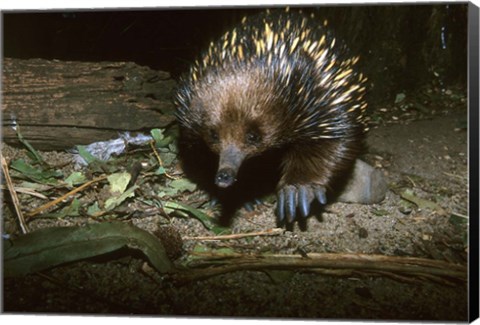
(99, 194)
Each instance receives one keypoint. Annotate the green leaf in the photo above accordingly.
(421, 203)
(50, 247)
(115, 201)
(87, 156)
(36, 174)
(173, 147)
(177, 186)
(160, 171)
(157, 135)
(35, 186)
(199, 248)
(119, 181)
(167, 158)
(161, 140)
(93, 209)
(72, 210)
(34, 152)
(206, 220)
(181, 185)
(379, 212)
(458, 220)
(399, 98)
(75, 178)
(224, 251)
(202, 249)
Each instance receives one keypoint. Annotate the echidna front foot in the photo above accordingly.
(293, 198)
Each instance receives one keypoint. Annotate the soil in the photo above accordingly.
(425, 154)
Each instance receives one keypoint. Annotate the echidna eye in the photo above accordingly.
(253, 138)
(214, 136)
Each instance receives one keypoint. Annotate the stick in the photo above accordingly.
(63, 197)
(160, 162)
(269, 232)
(14, 196)
(26, 190)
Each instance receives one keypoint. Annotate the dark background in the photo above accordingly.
(400, 45)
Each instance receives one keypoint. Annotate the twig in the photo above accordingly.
(152, 145)
(462, 178)
(411, 181)
(269, 232)
(217, 264)
(26, 190)
(63, 197)
(458, 214)
(14, 196)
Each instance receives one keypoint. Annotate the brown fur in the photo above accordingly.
(317, 162)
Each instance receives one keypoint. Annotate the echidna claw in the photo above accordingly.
(250, 205)
(321, 195)
(280, 206)
(304, 199)
(298, 198)
(213, 202)
(291, 203)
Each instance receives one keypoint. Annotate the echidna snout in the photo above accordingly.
(225, 177)
(230, 161)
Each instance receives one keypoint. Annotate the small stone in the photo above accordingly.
(405, 210)
(427, 237)
(367, 185)
(362, 233)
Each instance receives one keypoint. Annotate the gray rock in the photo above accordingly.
(366, 186)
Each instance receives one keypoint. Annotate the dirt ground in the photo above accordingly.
(426, 155)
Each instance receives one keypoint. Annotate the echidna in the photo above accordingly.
(279, 81)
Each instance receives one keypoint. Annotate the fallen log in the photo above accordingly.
(60, 104)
